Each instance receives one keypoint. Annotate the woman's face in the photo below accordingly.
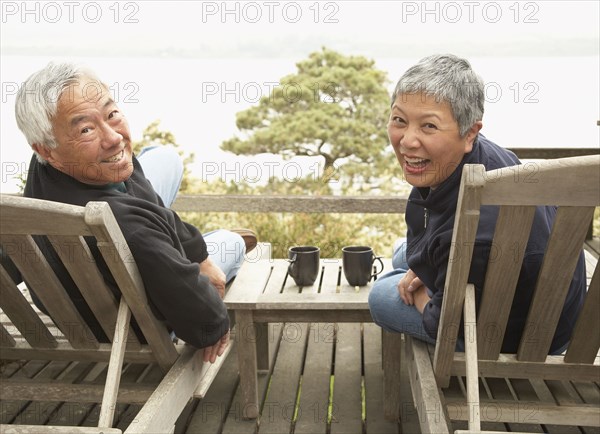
(426, 139)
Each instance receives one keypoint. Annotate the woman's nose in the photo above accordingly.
(410, 139)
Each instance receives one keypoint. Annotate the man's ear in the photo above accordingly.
(471, 135)
(43, 150)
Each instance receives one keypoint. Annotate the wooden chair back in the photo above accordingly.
(65, 226)
(571, 184)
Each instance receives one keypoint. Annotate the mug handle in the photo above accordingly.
(377, 258)
(292, 262)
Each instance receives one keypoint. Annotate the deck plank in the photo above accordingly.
(347, 405)
(210, 413)
(314, 397)
(278, 408)
(375, 420)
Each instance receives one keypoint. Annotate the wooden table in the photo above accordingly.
(263, 293)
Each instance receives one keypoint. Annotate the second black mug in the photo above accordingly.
(358, 263)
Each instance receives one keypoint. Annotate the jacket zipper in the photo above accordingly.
(425, 217)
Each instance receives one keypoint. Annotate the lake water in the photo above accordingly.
(530, 102)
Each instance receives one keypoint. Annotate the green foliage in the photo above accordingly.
(152, 135)
(328, 231)
(334, 106)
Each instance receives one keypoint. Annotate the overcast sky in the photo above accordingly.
(292, 29)
(540, 59)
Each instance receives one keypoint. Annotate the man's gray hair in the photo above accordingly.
(447, 78)
(37, 99)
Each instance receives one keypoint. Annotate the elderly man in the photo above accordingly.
(434, 128)
(83, 153)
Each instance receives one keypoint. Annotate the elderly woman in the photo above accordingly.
(434, 128)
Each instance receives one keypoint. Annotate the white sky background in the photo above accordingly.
(181, 47)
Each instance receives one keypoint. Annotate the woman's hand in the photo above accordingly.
(412, 291)
(407, 286)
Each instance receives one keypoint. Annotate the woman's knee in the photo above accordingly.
(380, 300)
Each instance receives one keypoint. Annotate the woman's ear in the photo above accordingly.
(471, 135)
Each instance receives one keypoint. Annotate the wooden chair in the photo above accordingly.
(30, 335)
(572, 184)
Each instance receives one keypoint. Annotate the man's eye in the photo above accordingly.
(430, 126)
(86, 130)
(113, 113)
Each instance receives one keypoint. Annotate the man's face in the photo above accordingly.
(94, 144)
(425, 137)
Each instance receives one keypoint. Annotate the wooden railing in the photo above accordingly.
(337, 204)
(293, 204)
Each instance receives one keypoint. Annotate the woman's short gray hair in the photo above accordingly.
(37, 99)
(447, 78)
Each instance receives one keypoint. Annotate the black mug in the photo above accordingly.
(304, 264)
(358, 264)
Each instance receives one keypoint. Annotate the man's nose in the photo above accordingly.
(111, 137)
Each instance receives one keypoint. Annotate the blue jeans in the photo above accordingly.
(389, 311)
(387, 308)
(163, 167)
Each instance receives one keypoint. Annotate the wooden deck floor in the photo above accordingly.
(324, 379)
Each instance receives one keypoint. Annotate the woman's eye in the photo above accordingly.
(430, 126)
(85, 130)
(113, 114)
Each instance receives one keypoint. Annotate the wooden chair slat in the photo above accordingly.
(6, 340)
(510, 239)
(113, 376)
(566, 241)
(461, 250)
(21, 215)
(552, 368)
(471, 359)
(118, 257)
(77, 258)
(526, 184)
(64, 351)
(585, 341)
(23, 317)
(433, 417)
(35, 269)
(35, 429)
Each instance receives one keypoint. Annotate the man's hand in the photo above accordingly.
(214, 274)
(211, 353)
